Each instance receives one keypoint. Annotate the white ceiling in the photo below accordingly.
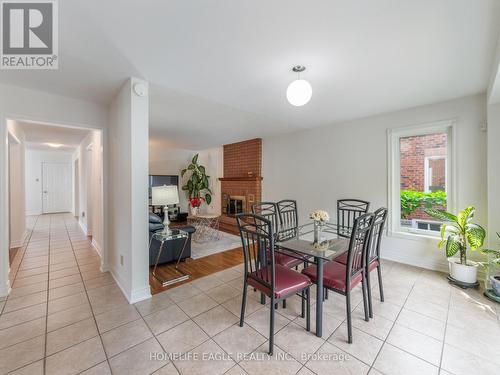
(219, 70)
(39, 135)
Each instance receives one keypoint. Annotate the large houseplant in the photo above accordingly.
(459, 233)
(197, 186)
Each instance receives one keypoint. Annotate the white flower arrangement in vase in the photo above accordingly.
(320, 217)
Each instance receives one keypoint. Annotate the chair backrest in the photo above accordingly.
(349, 210)
(380, 217)
(358, 245)
(257, 238)
(268, 210)
(288, 214)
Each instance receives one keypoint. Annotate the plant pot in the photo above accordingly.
(495, 284)
(461, 272)
(194, 211)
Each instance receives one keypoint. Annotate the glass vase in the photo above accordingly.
(317, 231)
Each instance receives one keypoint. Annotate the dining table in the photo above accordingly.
(324, 250)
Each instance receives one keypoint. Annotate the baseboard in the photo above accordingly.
(429, 264)
(5, 289)
(33, 213)
(139, 295)
(133, 296)
(19, 243)
(83, 227)
(97, 247)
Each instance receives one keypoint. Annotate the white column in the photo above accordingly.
(4, 210)
(128, 147)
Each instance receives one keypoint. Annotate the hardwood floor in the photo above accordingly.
(12, 254)
(196, 268)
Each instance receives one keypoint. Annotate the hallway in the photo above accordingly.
(48, 321)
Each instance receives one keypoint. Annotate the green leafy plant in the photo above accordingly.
(458, 232)
(412, 200)
(197, 186)
(493, 257)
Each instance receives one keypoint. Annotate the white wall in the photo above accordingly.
(493, 173)
(16, 185)
(316, 167)
(25, 104)
(164, 159)
(34, 160)
(213, 160)
(90, 157)
(128, 202)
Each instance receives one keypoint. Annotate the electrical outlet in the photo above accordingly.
(121, 260)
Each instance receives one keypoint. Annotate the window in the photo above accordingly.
(420, 176)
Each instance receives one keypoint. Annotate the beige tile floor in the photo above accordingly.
(66, 317)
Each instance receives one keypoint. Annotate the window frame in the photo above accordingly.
(426, 171)
(394, 173)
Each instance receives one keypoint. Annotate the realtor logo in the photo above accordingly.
(29, 34)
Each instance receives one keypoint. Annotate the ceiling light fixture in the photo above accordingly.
(54, 145)
(299, 92)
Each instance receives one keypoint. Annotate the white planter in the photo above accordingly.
(194, 211)
(464, 273)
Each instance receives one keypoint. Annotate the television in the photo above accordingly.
(160, 180)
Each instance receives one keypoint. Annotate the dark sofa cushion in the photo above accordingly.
(153, 218)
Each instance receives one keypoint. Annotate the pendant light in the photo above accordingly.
(299, 92)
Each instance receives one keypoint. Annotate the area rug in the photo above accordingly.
(201, 249)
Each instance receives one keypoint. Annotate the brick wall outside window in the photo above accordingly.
(413, 152)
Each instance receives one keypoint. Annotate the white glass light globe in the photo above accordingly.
(299, 92)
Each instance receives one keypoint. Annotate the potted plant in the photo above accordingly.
(459, 234)
(197, 186)
(492, 262)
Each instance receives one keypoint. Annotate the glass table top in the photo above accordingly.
(328, 249)
(171, 235)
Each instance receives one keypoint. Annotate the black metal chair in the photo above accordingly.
(349, 210)
(342, 278)
(288, 214)
(269, 210)
(262, 272)
(373, 254)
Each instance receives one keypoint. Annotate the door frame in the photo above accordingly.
(5, 286)
(11, 140)
(76, 188)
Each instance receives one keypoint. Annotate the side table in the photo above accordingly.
(163, 237)
(207, 227)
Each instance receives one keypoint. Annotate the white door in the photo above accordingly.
(56, 187)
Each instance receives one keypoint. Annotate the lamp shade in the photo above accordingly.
(164, 195)
(299, 92)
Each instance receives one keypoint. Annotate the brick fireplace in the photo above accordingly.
(241, 185)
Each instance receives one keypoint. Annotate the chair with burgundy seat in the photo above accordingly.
(373, 254)
(342, 278)
(262, 272)
(347, 211)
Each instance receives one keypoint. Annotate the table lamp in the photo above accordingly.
(164, 196)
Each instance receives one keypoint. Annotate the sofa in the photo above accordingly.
(173, 248)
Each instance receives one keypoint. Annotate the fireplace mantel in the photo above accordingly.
(257, 178)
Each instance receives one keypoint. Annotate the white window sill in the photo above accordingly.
(415, 236)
